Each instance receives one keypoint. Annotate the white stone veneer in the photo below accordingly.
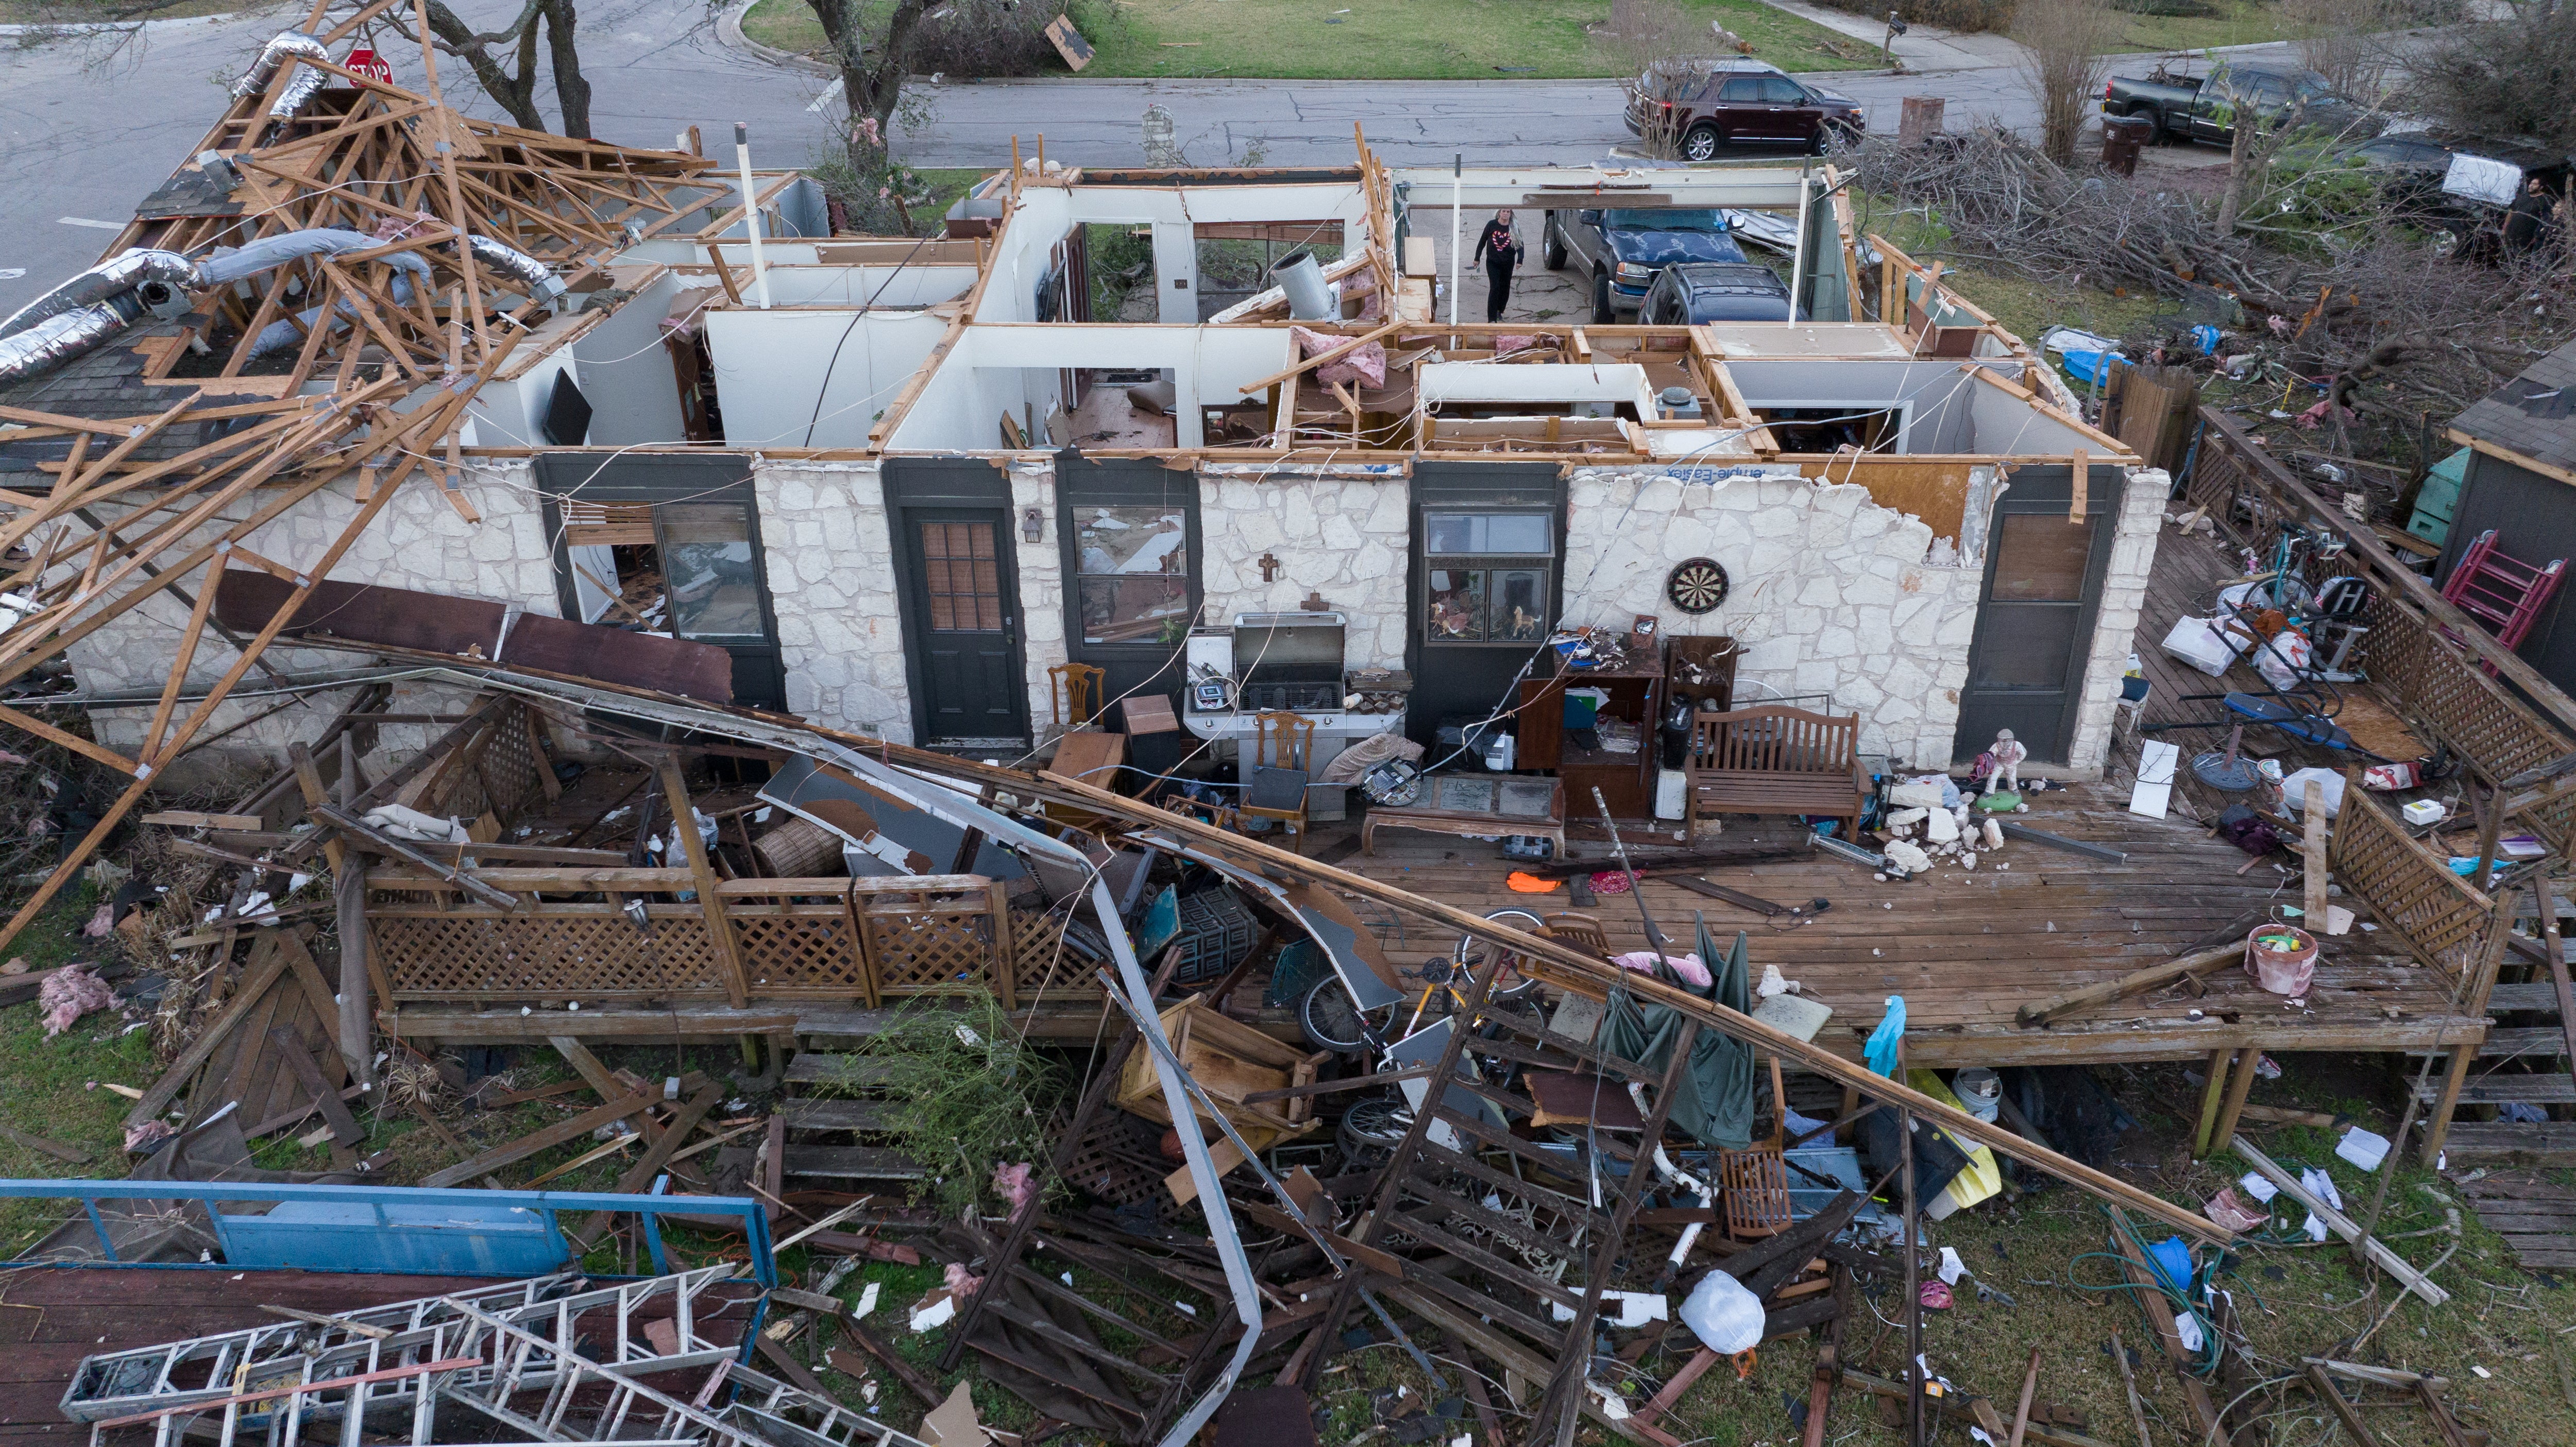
(1347, 538)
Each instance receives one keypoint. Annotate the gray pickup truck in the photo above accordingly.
(2203, 108)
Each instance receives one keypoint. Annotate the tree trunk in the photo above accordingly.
(2240, 167)
(572, 89)
(515, 94)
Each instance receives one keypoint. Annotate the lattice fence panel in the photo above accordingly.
(2446, 920)
(939, 945)
(1048, 970)
(471, 954)
(1120, 1161)
(799, 949)
(498, 773)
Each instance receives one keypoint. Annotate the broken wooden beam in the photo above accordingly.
(335, 1111)
(193, 819)
(2161, 1317)
(2138, 982)
(2324, 1389)
(2048, 1433)
(348, 823)
(72, 1155)
(2089, 850)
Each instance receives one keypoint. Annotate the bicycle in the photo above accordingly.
(1333, 1020)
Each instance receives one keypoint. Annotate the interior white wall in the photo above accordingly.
(625, 371)
(1020, 254)
(506, 413)
(772, 367)
(2007, 426)
(871, 286)
(1937, 395)
(997, 367)
(1176, 212)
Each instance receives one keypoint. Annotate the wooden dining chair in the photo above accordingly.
(1074, 689)
(1579, 931)
(1276, 771)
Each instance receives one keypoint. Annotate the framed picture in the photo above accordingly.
(1463, 794)
(1526, 798)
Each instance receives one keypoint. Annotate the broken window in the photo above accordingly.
(1487, 576)
(1132, 571)
(1235, 257)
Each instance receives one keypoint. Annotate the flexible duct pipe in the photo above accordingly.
(534, 276)
(65, 336)
(273, 55)
(107, 279)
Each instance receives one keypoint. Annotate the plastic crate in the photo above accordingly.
(1217, 933)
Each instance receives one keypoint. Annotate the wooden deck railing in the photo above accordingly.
(863, 940)
(2435, 667)
(2444, 921)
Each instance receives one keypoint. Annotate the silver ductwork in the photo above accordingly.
(141, 267)
(64, 337)
(273, 55)
(539, 279)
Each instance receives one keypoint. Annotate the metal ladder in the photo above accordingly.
(376, 1358)
(2501, 591)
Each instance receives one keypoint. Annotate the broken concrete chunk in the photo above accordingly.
(1905, 819)
(1914, 796)
(1940, 827)
(1907, 857)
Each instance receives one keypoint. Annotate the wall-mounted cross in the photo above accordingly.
(1269, 567)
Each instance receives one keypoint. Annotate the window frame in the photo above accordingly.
(1097, 486)
(1546, 564)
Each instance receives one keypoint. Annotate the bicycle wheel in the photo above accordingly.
(1332, 1020)
(1376, 1124)
(1473, 955)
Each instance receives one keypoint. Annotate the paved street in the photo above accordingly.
(85, 134)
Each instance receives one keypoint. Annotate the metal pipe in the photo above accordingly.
(1798, 254)
(751, 213)
(1457, 220)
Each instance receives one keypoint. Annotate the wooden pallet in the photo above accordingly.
(2536, 1217)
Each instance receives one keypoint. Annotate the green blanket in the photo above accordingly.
(1713, 1099)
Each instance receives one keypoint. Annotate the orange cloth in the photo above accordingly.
(1520, 883)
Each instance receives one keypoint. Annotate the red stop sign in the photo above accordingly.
(363, 61)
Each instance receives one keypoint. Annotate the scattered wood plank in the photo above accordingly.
(2367, 1246)
(2154, 977)
(194, 819)
(73, 1155)
(793, 1370)
(876, 1346)
(849, 1243)
(2160, 1316)
(266, 963)
(2353, 1427)
(464, 879)
(2048, 1433)
(335, 1111)
(1069, 42)
(535, 1141)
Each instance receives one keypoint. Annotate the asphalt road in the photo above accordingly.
(88, 127)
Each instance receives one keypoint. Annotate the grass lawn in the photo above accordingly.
(1370, 39)
(2239, 22)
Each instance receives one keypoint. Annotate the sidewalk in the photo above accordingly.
(1923, 48)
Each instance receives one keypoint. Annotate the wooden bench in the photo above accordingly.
(1775, 760)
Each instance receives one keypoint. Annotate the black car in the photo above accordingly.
(1715, 291)
(1740, 102)
(1622, 250)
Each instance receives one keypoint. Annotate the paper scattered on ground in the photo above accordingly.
(867, 1303)
(934, 1311)
(2364, 1148)
(953, 1423)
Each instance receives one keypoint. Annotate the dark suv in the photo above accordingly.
(1740, 102)
(1692, 292)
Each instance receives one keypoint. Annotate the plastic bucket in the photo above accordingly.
(1980, 1091)
(2282, 958)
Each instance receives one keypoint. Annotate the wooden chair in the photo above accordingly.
(1579, 931)
(1276, 770)
(1074, 688)
(1776, 760)
(1755, 1181)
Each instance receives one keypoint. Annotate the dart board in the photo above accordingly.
(1696, 586)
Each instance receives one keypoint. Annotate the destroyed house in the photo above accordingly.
(909, 486)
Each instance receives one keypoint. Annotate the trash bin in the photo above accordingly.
(2122, 138)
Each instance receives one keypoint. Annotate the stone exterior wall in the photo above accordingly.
(2115, 625)
(831, 581)
(1833, 594)
(418, 542)
(1348, 538)
(1041, 587)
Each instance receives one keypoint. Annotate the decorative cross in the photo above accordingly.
(1269, 567)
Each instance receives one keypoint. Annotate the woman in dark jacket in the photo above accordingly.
(1501, 252)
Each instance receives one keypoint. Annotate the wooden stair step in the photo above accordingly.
(2551, 1143)
(867, 1163)
(2539, 1042)
(2499, 1088)
(837, 1114)
(823, 1067)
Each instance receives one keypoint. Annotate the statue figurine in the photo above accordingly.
(2001, 763)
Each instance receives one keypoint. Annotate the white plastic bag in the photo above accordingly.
(2294, 790)
(2204, 644)
(1723, 1315)
(2284, 659)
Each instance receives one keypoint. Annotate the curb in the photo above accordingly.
(128, 27)
(729, 34)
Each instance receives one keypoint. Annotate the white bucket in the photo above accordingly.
(1980, 1090)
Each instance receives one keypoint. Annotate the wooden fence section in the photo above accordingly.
(837, 939)
(2439, 670)
(2444, 920)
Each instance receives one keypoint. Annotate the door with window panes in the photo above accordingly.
(1488, 543)
(671, 545)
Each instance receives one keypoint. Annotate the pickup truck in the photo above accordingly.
(1623, 250)
(2187, 108)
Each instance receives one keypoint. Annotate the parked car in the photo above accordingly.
(2202, 108)
(1740, 102)
(1622, 250)
(1715, 291)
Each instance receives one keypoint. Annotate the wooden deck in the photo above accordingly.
(52, 1317)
